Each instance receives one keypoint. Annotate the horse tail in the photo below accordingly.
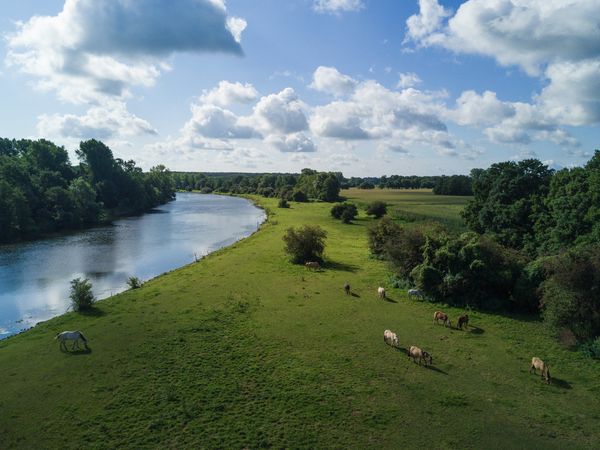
(57, 335)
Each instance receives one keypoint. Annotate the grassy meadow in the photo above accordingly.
(414, 205)
(245, 350)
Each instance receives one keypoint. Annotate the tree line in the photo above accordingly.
(42, 192)
(282, 185)
(441, 184)
(300, 187)
(533, 246)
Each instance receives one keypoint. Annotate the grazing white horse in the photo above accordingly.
(416, 293)
(538, 364)
(74, 336)
(381, 292)
(390, 338)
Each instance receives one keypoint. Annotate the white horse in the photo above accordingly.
(390, 338)
(381, 292)
(74, 336)
(416, 293)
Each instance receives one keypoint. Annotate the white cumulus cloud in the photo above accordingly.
(94, 52)
(556, 41)
(331, 81)
(227, 93)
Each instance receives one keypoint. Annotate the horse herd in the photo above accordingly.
(389, 337)
(418, 355)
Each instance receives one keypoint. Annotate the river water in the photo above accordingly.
(35, 276)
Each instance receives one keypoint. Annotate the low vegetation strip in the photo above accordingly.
(247, 350)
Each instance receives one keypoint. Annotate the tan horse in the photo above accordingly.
(439, 315)
(416, 353)
(381, 292)
(538, 364)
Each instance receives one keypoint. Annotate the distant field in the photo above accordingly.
(245, 350)
(415, 204)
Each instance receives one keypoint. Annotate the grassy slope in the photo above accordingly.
(246, 350)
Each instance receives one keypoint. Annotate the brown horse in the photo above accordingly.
(439, 315)
(347, 288)
(462, 320)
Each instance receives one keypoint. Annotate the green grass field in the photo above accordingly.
(245, 350)
(414, 205)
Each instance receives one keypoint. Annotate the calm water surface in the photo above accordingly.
(34, 276)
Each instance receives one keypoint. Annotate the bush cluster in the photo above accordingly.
(377, 209)
(306, 243)
(346, 212)
(82, 297)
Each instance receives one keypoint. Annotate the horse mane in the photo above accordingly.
(82, 336)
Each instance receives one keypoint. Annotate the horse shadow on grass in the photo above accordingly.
(390, 299)
(435, 369)
(475, 330)
(78, 352)
(355, 295)
(563, 384)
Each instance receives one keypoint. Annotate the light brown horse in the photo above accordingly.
(439, 315)
(538, 364)
(416, 353)
(381, 292)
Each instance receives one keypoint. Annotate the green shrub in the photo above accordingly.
(399, 283)
(404, 248)
(283, 203)
(571, 293)
(134, 283)
(527, 292)
(427, 278)
(299, 196)
(337, 210)
(591, 348)
(350, 213)
(377, 209)
(379, 233)
(344, 211)
(82, 297)
(305, 243)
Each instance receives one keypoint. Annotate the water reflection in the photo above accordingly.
(34, 276)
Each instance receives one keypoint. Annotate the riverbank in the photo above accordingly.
(244, 349)
(34, 288)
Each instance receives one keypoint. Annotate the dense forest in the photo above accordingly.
(285, 184)
(534, 246)
(41, 192)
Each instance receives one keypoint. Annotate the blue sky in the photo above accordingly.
(368, 87)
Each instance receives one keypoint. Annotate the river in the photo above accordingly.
(35, 276)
